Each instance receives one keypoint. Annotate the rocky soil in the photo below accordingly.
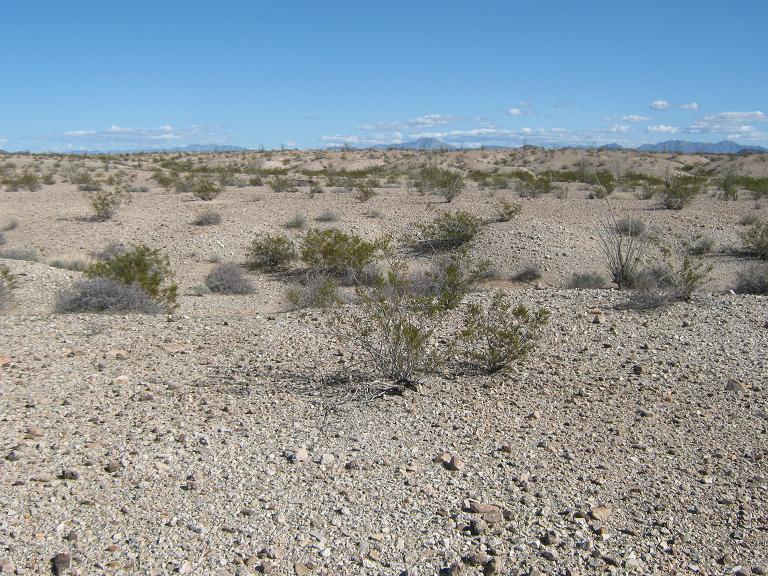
(233, 437)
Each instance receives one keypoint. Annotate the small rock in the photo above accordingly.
(455, 463)
(60, 563)
(113, 466)
(300, 569)
(70, 474)
(7, 566)
(13, 456)
(733, 385)
(35, 432)
(600, 513)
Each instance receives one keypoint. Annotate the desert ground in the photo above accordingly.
(238, 435)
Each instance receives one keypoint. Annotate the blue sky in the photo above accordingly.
(106, 75)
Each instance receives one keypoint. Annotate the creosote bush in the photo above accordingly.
(270, 252)
(755, 240)
(228, 278)
(663, 284)
(499, 334)
(337, 253)
(437, 180)
(448, 231)
(141, 266)
(207, 218)
(506, 210)
(395, 328)
(205, 188)
(752, 279)
(106, 203)
(679, 191)
(450, 278)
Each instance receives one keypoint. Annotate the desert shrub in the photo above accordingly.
(281, 184)
(395, 329)
(450, 278)
(270, 252)
(327, 216)
(166, 180)
(758, 185)
(73, 264)
(679, 191)
(28, 254)
(528, 273)
(534, 188)
(448, 231)
(106, 295)
(315, 188)
(587, 280)
(365, 191)
(630, 227)
(2, 238)
(375, 213)
(624, 255)
(207, 218)
(29, 181)
(755, 240)
(7, 283)
(337, 253)
(499, 334)
(106, 203)
(700, 245)
(663, 284)
(228, 278)
(299, 221)
(84, 181)
(728, 183)
(752, 279)
(436, 180)
(749, 219)
(205, 188)
(506, 210)
(145, 267)
(316, 291)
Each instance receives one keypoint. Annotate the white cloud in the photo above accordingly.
(636, 118)
(659, 105)
(425, 121)
(515, 112)
(690, 106)
(662, 129)
(80, 133)
(619, 128)
(727, 122)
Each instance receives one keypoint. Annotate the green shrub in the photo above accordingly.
(270, 252)
(365, 191)
(205, 188)
(728, 183)
(395, 328)
(281, 184)
(663, 284)
(436, 180)
(755, 240)
(679, 191)
(106, 203)
(450, 278)
(700, 245)
(228, 278)
(534, 188)
(449, 230)
(499, 334)
(506, 210)
(336, 252)
(142, 266)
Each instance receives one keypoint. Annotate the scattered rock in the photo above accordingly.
(60, 563)
(600, 513)
(733, 385)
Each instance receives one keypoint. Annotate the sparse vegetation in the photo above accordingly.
(436, 180)
(327, 216)
(587, 280)
(679, 191)
(7, 283)
(317, 290)
(728, 183)
(26, 253)
(205, 188)
(506, 210)
(106, 295)
(624, 255)
(73, 264)
(299, 221)
(499, 334)
(337, 253)
(106, 202)
(631, 227)
(528, 273)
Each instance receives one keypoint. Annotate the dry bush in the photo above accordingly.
(506, 210)
(631, 227)
(317, 290)
(73, 264)
(299, 221)
(700, 245)
(587, 280)
(106, 295)
(207, 218)
(7, 283)
(664, 284)
(27, 254)
(327, 216)
(228, 278)
(624, 255)
(528, 273)
(500, 334)
(752, 279)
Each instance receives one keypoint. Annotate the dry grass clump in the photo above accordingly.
(106, 295)
(27, 253)
(228, 278)
(587, 280)
(7, 283)
(317, 290)
(752, 279)
(73, 264)
(327, 216)
(299, 221)
(207, 218)
(755, 240)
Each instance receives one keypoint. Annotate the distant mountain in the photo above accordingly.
(683, 147)
(611, 147)
(420, 144)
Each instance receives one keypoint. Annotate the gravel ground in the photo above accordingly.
(235, 438)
